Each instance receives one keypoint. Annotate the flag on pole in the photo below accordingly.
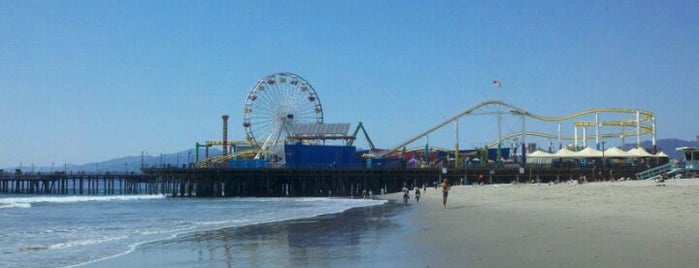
(496, 83)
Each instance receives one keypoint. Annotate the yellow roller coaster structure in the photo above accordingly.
(642, 123)
(248, 152)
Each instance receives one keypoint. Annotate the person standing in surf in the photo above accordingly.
(445, 192)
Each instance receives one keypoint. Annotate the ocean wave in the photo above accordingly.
(334, 205)
(14, 205)
(25, 202)
(278, 199)
(207, 215)
(310, 199)
(76, 243)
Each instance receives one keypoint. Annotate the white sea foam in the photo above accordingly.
(151, 222)
(85, 242)
(14, 205)
(25, 202)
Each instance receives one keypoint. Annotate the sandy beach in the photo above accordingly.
(613, 224)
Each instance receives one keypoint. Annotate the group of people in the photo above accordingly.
(444, 186)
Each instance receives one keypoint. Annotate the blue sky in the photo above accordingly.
(84, 81)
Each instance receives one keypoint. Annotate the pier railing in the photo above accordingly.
(655, 172)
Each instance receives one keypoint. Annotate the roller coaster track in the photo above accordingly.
(221, 159)
(549, 136)
(642, 116)
(512, 135)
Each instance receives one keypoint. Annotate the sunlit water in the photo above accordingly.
(60, 231)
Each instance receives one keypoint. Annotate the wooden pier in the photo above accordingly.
(279, 182)
(291, 182)
(80, 184)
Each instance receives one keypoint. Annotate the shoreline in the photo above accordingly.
(296, 243)
(605, 224)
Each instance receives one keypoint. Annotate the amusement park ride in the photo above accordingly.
(642, 123)
(284, 108)
(280, 108)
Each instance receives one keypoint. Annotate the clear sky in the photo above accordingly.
(85, 81)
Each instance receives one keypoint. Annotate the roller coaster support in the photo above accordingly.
(457, 159)
(597, 131)
(638, 129)
(447, 121)
(498, 159)
(641, 116)
(524, 142)
(366, 135)
(655, 148)
(196, 151)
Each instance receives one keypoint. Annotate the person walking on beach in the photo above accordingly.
(445, 192)
(406, 195)
(417, 194)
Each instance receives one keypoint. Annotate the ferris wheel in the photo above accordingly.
(274, 105)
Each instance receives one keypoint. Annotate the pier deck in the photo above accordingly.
(278, 182)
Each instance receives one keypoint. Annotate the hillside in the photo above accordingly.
(668, 146)
(124, 164)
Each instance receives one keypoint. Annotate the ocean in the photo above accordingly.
(70, 231)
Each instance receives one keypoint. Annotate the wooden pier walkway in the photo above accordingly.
(278, 182)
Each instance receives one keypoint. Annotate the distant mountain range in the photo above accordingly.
(125, 164)
(668, 146)
(133, 163)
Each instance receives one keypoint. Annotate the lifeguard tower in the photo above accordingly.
(690, 164)
(686, 168)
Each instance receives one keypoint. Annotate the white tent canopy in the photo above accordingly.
(615, 152)
(540, 153)
(661, 154)
(564, 153)
(639, 152)
(539, 157)
(588, 152)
